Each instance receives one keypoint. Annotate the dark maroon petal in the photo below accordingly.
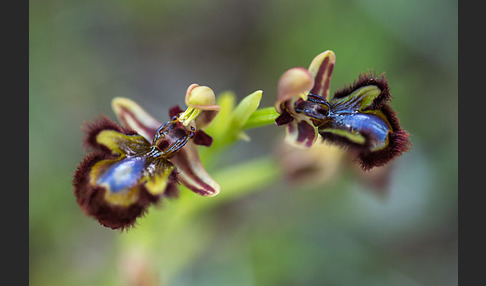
(284, 118)
(307, 133)
(205, 118)
(300, 133)
(175, 110)
(202, 138)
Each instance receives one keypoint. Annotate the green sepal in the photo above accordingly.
(218, 128)
(242, 113)
(229, 124)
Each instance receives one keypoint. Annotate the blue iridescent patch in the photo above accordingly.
(373, 127)
(122, 175)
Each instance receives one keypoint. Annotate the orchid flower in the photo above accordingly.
(132, 166)
(357, 117)
(323, 163)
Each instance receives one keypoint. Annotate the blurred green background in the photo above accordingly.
(84, 53)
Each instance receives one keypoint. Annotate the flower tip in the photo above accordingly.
(201, 97)
(296, 82)
(119, 102)
(257, 94)
(255, 98)
(204, 186)
(215, 191)
(326, 54)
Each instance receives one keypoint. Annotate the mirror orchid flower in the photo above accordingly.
(358, 117)
(134, 165)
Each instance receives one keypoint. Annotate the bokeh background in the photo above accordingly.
(344, 232)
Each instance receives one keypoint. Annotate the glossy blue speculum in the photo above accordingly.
(122, 175)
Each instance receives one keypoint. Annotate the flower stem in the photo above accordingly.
(261, 117)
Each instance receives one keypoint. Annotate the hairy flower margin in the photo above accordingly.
(358, 117)
(134, 165)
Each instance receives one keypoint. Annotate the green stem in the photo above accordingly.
(261, 117)
(236, 181)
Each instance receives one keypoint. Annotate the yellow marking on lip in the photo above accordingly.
(123, 199)
(365, 94)
(156, 184)
(354, 137)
